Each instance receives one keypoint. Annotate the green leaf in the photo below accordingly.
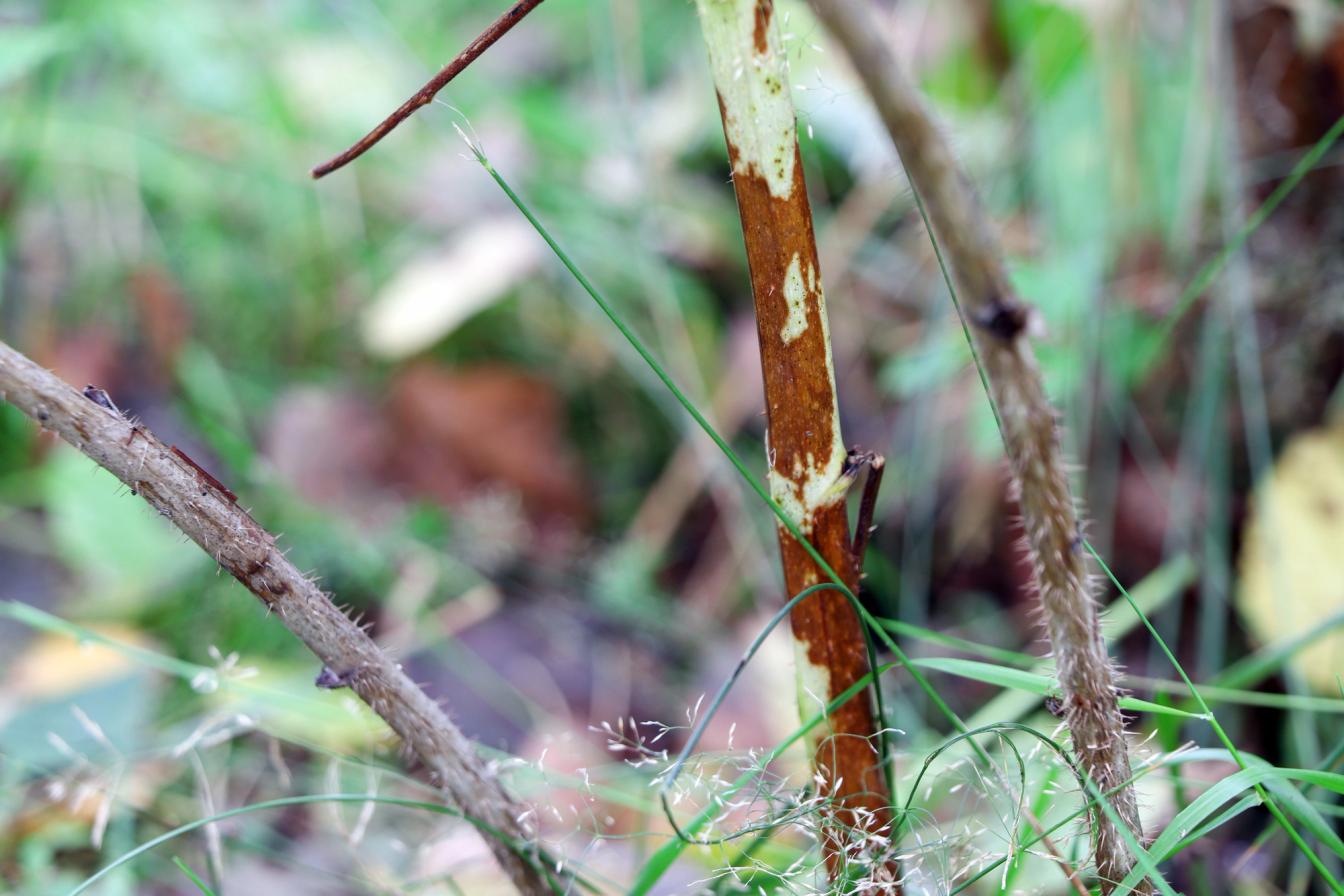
(1018, 679)
(962, 79)
(1176, 835)
(214, 398)
(23, 49)
(1051, 40)
(935, 362)
(113, 541)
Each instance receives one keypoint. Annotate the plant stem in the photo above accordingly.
(484, 41)
(999, 325)
(805, 449)
(207, 514)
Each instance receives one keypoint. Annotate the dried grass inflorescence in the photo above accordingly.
(1000, 327)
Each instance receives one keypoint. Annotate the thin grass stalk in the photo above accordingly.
(999, 324)
(209, 515)
(808, 473)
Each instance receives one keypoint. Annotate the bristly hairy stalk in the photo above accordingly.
(1028, 422)
(808, 473)
(206, 512)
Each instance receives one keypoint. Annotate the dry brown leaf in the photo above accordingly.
(164, 317)
(457, 431)
(346, 429)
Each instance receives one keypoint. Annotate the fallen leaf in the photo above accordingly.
(164, 317)
(456, 433)
(86, 694)
(431, 297)
(1292, 555)
(56, 665)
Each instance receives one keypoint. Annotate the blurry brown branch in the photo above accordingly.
(809, 469)
(207, 513)
(426, 94)
(1030, 429)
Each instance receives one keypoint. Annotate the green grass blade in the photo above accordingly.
(1214, 267)
(1032, 682)
(521, 848)
(1270, 804)
(193, 876)
(920, 633)
(1258, 773)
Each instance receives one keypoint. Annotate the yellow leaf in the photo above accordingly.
(55, 665)
(1292, 557)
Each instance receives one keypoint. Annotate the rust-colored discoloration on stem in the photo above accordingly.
(805, 448)
(761, 33)
(803, 435)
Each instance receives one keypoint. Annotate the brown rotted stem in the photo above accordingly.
(809, 472)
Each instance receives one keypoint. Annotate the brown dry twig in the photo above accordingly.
(425, 95)
(1029, 423)
(206, 512)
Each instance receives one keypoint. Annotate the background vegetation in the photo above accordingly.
(391, 369)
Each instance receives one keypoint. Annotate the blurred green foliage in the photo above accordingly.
(176, 139)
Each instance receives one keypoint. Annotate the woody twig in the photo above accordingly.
(207, 513)
(425, 95)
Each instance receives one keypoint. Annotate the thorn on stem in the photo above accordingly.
(331, 680)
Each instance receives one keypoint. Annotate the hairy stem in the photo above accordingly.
(206, 513)
(1028, 422)
(808, 474)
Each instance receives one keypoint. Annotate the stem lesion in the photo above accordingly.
(810, 471)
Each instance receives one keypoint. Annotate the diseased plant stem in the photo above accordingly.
(1028, 422)
(206, 512)
(807, 473)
